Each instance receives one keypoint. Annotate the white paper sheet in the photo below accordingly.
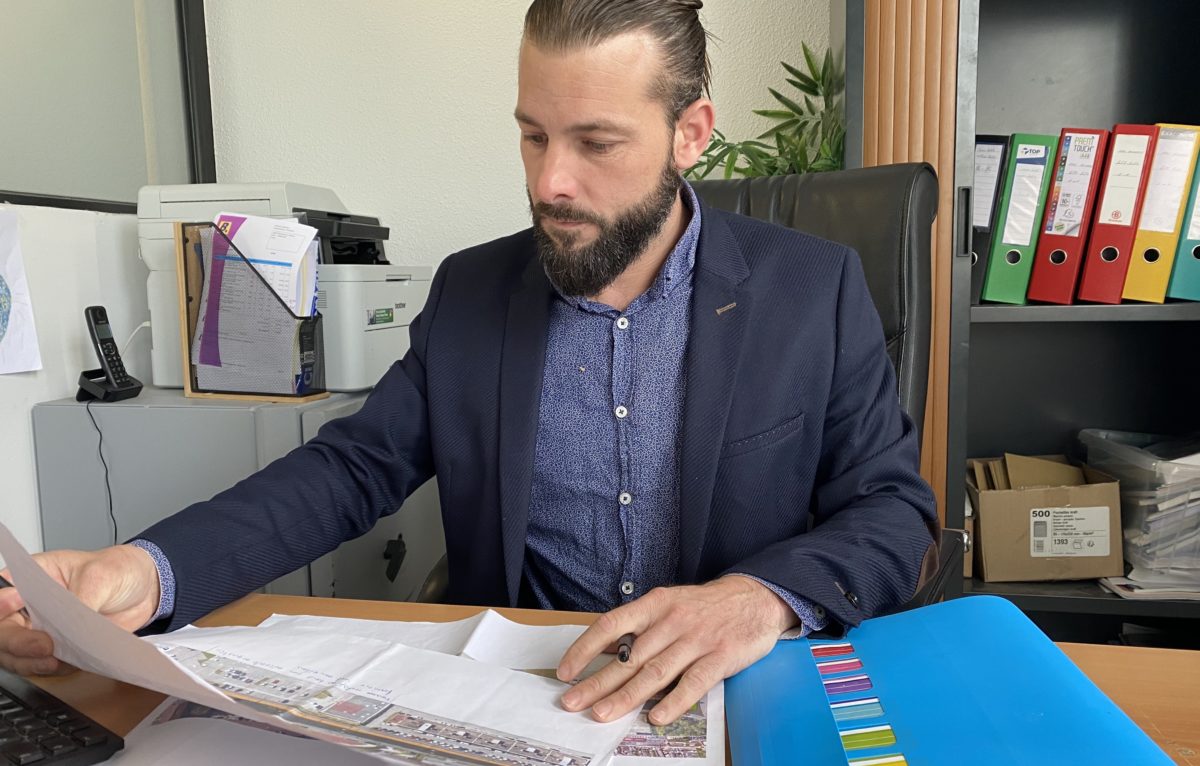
(19, 350)
(181, 733)
(362, 692)
(278, 249)
(697, 739)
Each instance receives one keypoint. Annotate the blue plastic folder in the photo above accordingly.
(966, 681)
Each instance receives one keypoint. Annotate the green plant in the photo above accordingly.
(809, 134)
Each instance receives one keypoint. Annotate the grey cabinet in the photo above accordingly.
(164, 451)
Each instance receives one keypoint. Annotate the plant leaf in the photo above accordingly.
(794, 72)
(730, 162)
(814, 70)
(810, 88)
(799, 110)
(774, 114)
(781, 126)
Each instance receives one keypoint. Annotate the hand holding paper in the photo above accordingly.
(120, 583)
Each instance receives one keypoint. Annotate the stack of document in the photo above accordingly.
(1152, 585)
(253, 297)
(477, 691)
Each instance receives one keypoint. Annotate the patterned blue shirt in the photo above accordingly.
(604, 506)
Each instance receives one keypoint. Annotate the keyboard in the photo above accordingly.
(37, 727)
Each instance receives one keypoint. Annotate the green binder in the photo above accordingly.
(1023, 200)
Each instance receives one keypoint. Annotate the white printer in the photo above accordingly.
(366, 308)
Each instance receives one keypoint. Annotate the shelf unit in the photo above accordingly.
(1026, 379)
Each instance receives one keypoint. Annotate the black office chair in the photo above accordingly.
(886, 214)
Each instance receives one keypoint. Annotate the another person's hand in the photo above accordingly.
(120, 583)
(700, 634)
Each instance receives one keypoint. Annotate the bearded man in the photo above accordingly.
(681, 418)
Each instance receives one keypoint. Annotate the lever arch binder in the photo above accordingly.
(1114, 225)
(1068, 215)
(1014, 238)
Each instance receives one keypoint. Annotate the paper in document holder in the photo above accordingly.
(239, 337)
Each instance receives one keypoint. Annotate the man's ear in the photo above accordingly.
(692, 132)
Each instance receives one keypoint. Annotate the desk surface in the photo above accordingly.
(1158, 688)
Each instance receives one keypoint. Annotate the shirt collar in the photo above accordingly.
(675, 270)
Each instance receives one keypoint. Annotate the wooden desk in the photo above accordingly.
(1158, 688)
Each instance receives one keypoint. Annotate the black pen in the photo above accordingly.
(624, 647)
(6, 584)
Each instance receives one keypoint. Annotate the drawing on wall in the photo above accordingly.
(18, 337)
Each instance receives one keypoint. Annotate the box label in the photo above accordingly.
(1068, 531)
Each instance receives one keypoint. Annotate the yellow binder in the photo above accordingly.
(1157, 238)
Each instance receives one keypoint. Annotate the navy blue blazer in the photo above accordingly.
(791, 411)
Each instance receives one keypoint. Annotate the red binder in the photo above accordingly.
(1068, 216)
(1119, 207)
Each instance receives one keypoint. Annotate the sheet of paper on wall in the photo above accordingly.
(394, 702)
(19, 350)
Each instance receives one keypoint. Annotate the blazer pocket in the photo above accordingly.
(765, 439)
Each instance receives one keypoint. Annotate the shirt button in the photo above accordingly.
(623, 323)
(627, 588)
(625, 498)
(621, 412)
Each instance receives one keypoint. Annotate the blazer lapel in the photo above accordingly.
(719, 315)
(521, 362)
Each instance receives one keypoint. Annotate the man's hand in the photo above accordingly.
(699, 634)
(120, 583)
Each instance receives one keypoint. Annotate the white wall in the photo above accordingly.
(72, 259)
(404, 108)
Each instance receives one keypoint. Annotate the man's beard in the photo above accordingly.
(585, 270)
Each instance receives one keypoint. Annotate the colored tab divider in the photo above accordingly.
(844, 684)
(877, 735)
(821, 651)
(856, 710)
(839, 666)
(868, 737)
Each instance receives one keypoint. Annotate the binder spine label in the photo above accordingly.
(1193, 226)
(1026, 193)
(988, 159)
(1125, 169)
(1073, 177)
(1168, 180)
(1068, 532)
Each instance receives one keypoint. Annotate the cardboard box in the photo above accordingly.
(1044, 529)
